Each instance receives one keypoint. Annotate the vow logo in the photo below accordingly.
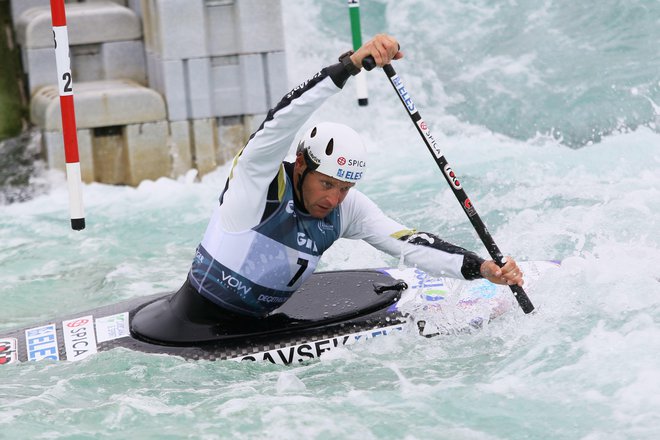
(234, 282)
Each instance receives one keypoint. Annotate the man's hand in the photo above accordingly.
(509, 274)
(383, 48)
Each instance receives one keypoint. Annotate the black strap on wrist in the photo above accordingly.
(345, 60)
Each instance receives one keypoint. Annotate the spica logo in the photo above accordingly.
(341, 160)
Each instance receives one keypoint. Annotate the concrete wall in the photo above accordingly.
(160, 86)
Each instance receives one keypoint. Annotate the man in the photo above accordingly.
(275, 219)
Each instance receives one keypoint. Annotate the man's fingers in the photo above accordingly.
(383, 49)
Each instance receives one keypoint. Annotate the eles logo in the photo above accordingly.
(407, 100)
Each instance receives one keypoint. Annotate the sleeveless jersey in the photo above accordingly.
(254, 272)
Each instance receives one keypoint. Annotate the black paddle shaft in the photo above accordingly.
(451, 177)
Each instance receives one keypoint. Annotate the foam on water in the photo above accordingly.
(585, 365)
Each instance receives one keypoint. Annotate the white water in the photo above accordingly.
(586, 365)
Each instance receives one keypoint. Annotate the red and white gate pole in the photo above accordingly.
(65, 83)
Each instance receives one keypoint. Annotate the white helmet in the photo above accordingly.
(334, 150)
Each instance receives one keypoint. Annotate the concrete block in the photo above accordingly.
(53, 149)
(85, 155)
(41, 68)
(89, 62)
(221, 34)
(87, 23)
(231, 138)
(86, 63)
(199, 88)
(204, 145)
(146, 154)
(119, 2)
(135, 6)
(123, 60)
(109, 152)
(99, 104)
(238, 85)
(276, 77)
(253, 84)
(149, 26)
(178, 29)
(259, 26)
(20, 6)
(17, 7)
(180, 147)
(173, 82)
(226, 80)
(154, 77)
(252, 123)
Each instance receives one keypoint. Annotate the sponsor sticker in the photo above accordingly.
(112, 327)
(453, 178)
(289, 208)
(349, 175)
(356, 163)
(481, 289)
(41, 343)
(433, 295)
(79, 338)
(425, 281)
(429, 138)
(469, 209)
(405, 97)
(323, 226)
(314, 349)
(8, 348)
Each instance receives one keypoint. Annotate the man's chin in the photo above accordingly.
(320, 213)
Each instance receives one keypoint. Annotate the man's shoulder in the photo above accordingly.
(357, 204)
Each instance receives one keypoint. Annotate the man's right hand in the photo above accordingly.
(383, 48)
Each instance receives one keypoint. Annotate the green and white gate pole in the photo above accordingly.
(360, 79)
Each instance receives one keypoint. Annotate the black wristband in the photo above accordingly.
(471, 268)
(345, 60)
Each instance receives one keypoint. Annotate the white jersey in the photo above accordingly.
(260, 246)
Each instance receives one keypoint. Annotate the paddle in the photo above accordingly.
(452, 179)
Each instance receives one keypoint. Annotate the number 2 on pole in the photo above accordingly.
(67, 86)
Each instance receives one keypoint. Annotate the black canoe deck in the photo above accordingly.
(328, 305)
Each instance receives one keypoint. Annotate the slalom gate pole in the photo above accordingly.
(65, 85)
(360, 80)
(450, 176)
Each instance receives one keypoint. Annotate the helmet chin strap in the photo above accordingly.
(301, 201)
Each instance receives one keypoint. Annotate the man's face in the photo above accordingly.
(322, 194)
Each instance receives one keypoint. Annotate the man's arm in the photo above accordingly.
(257, 164)
(260, 161)
(362, 219)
